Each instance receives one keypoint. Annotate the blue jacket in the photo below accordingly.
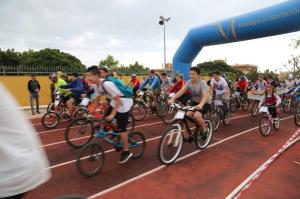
(76, 87)
(153, 82)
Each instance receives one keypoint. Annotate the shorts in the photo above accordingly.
(64, 99)
(206, 108)
(122, 120)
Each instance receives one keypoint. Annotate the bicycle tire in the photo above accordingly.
(54, 115)
(199, 136)
(141, 106)
(70, 140)
(163, 160)
(262, 124)
(96, 149)
(254, 109)
(133, 141)
(297, 117)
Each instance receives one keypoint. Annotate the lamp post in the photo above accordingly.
(162, 22)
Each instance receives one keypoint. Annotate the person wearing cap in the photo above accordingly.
(154, 82)
(58, 82)
(34, 89)
(77, 88)
(134, 83)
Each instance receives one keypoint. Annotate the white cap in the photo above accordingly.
(290, 76)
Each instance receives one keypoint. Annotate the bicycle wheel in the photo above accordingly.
(50, 120)
(161, 107)
(169, 116)
(226, 118)
(90, 159)
(79, 132)
(254, 108)
(233, 105)
(137, 144)
(265, 126)
(245, 104)
(286, 106)
(203, 140)
(139, 111)
(79, 113)
(215, 119)
(170, 146)
(297, 117)
(276, 125)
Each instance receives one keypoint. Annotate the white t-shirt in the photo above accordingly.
(219, 86)
(290, 84)
(113, 91)
(23, 163)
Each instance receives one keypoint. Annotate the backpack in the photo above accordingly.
(160, 80)
(126, 90)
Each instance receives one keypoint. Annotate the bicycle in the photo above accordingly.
(267, 121)
(219, 113)
(93, 154)
(238, 100)
(55, 112)
(170, 145)
(81, 130)
(144, 102)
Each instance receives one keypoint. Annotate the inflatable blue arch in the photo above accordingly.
(278, 19)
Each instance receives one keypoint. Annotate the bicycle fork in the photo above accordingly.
(178, 135)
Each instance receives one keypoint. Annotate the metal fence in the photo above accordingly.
(37, 70)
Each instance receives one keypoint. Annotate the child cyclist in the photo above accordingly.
(119, 106)
(272, 100)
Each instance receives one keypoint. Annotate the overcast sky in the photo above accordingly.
(129, 30)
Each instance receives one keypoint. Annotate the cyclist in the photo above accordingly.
(272, 100)
(134, 83)
(154, 82)
(166, 82)
(260, 84)
(119, 106)
(177, 86)
(200, 99)
(65, 96)
(242, 85)
(77, 88)
(221, 88)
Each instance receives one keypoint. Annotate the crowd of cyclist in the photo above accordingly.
(195, 92)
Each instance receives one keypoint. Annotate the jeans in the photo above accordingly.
(34, 96)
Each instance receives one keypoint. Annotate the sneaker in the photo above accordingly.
(124, 157)
(38, 112)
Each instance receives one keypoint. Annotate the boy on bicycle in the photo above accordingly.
(119, 106)
(200, 99)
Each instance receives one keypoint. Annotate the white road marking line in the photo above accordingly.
(162, 166)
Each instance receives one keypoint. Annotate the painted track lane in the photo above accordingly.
(113, 173)
(213, 174)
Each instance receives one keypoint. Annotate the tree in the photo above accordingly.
(133, 68)
(294, 60)
(252, 75)
(10, 57)
(219, 65)
(270, 75)
(109, 62)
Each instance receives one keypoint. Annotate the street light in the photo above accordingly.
(162, 22)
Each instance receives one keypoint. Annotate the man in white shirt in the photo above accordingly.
(221, 88)
(23, 163)
(119, 106)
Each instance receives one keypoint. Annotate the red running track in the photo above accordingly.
(236, 151)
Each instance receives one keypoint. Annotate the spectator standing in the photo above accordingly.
(34, 89)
